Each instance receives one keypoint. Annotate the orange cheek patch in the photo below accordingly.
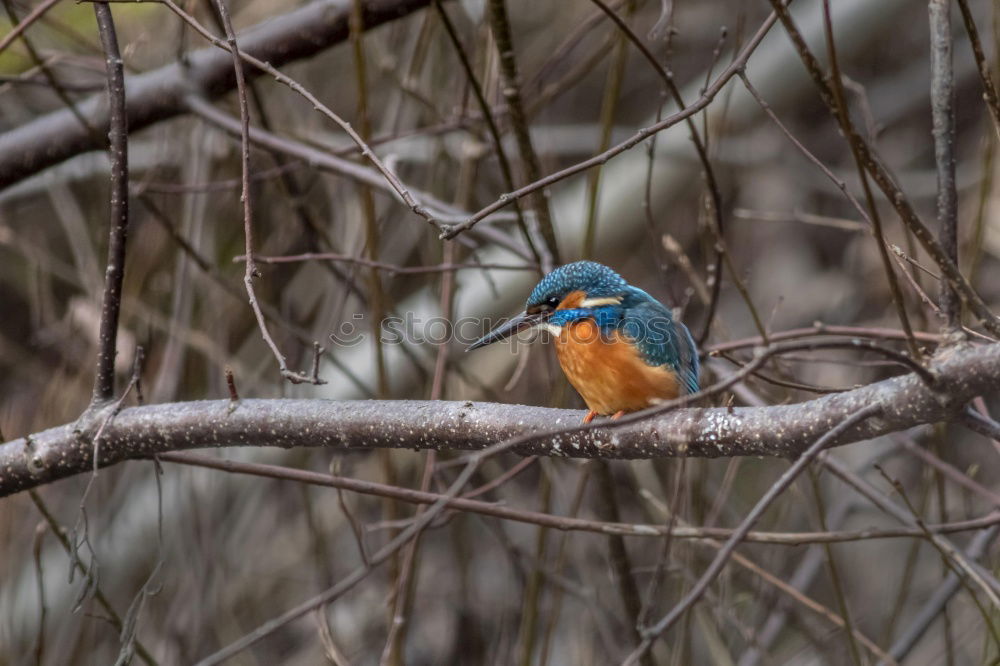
(572, 300)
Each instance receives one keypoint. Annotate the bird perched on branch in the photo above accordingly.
(621, 349)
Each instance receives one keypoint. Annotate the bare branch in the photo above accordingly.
(779, 430)
(160, 94)
(325, 161)
(989, 89)
(984, 425)
(25, 23)
(943, 116)
(104, 382)
(680, 116)
(511, 88)
(61, 534)
(264, 66)
(843, 115)
(932, 609)
(250, 271)
(711, 183)
(722, 557)
(484, 108)
(874, 167)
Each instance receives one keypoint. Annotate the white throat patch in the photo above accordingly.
(597, 302)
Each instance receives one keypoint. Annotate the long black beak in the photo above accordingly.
(515, 325)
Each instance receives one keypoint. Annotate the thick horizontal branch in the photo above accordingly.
(162, 93)
(780, 430)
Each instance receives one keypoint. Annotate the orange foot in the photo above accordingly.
(590, 416)
(620, 413)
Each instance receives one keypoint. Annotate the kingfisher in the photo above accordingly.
(620, 348)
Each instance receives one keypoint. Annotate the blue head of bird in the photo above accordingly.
(620, 348)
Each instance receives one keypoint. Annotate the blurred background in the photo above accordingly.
(198, 558)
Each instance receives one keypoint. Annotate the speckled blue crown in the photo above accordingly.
(594, 279)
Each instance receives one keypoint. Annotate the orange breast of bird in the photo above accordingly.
(609, 373)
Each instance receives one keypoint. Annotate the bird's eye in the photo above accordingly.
(548, 305)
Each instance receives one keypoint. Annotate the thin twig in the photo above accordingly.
(823, 329)
(291, 185)
(528, 626)
(373, 238)
(843, 115)
(874, 167)
(511, 89)
(943, 116)
(555, 607)
(484, 108)
(722, 557)
(239, 292)
(791, 589)
(984, 579)
(327, 161)
(114, 275)
(982, 66)
(36, 555)
(609, 105)
(948, 470)
(834, 571)
(567, 523)
(720, 82)
(837, 181)
(932, 609)
(977, 239)
(234, 396)
(42, 65)
(394, 269)
(716, 228)
(60, 533)
(607, 508)
(366, 150)
(251, 270)
(26, 22)
(955, 561)
(982, 424)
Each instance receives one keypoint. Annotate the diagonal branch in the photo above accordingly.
(931, 610)
(706, 98)
(491, 126)
(843, 116)
(989, 89)
(245, 197)
(881, 176)
(26, 22)
(268, 68)
(779, 430)
(511, 88)
(724, 554)
(161, 94)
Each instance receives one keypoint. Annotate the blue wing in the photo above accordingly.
(659, 337)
